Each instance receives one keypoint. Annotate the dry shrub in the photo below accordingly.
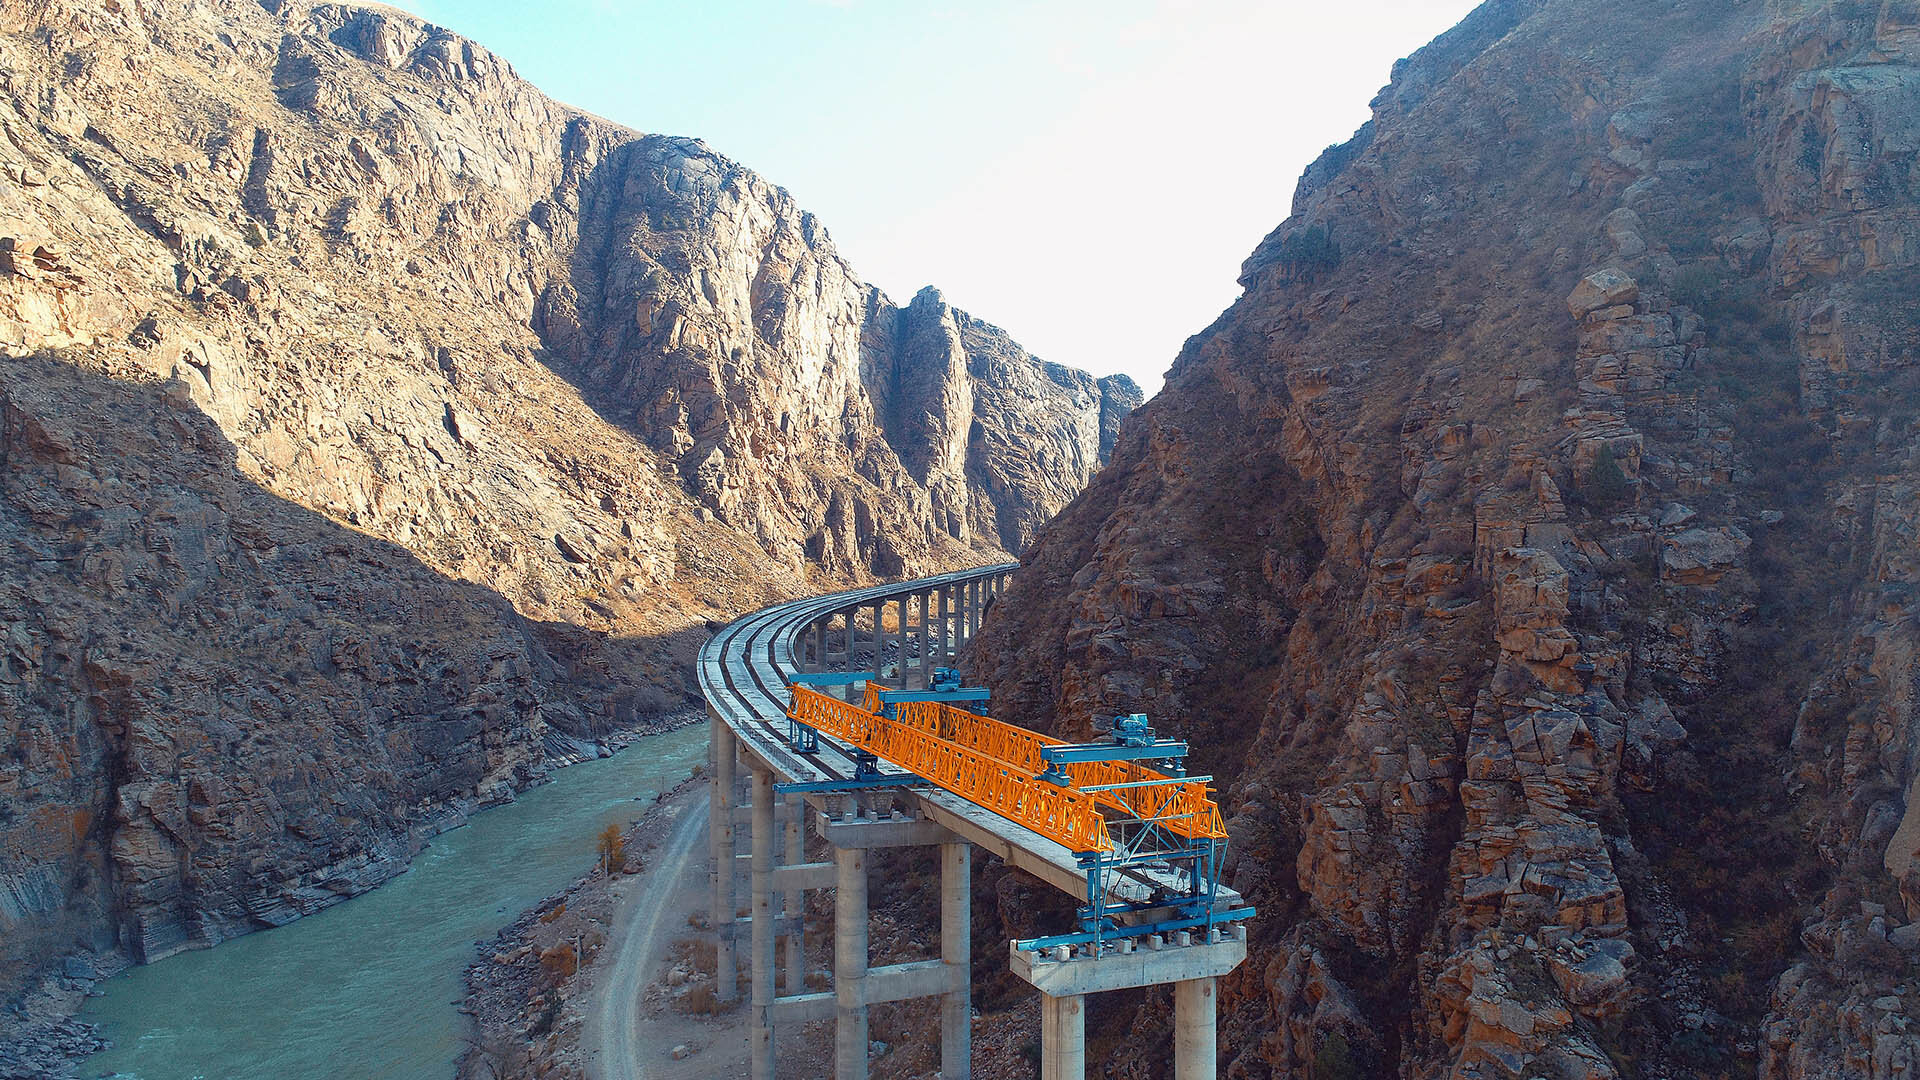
(559, 961)
(705, 956)
(701, 1001)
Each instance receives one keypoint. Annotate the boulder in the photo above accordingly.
(1602, 289)
(1700, 557)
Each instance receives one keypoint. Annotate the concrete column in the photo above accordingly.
(944, 606)
(973, 608)
(1063, 1038)
(820, 645)
(760, 1028)
(926, 665)
(956, 949)
(898, 637)
(721, 833)
(796, 901)
(1194, 1050)
(850, 964)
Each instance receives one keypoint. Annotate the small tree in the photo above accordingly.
(613, 850)
(1334, 1059)
(1605, 486)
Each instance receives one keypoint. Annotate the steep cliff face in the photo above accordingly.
(376, 428)
(1530, 551)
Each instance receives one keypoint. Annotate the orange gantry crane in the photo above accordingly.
(1122, 805)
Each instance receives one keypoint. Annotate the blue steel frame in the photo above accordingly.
(975, 696)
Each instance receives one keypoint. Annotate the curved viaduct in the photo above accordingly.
(744, 673)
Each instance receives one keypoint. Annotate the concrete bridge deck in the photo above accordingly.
(743, 673)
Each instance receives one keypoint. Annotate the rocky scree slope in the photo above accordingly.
(1531, 552)
(376, 432)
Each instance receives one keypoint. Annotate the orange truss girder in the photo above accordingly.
(1068, 817)
(996, 749)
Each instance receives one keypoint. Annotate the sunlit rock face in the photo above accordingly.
(378, 432)
(1530, 552)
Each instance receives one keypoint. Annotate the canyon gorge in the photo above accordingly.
(1529, 551)
(377, 434)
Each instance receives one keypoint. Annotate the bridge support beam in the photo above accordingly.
(720, 833)
(850, 964)
(760, 1037)
(956, 950)
(1063, 1037)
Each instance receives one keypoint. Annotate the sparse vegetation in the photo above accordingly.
(612, 847)
(560, 961)
(1309, 252)
(701, 1001)
(1605, 486)
(1333, 1059)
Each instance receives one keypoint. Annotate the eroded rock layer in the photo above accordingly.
(1530, 550)
(375, 432)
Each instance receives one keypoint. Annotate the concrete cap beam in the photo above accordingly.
(1118, 970)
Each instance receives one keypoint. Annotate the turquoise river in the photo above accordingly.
(369, 988)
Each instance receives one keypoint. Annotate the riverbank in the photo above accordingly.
(46, 1034)
(535, 1013)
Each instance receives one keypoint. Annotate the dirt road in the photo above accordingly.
(641, 928)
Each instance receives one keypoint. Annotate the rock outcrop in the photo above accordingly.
(1530, 552)
(378, 432)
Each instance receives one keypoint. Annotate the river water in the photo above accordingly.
(369, 988)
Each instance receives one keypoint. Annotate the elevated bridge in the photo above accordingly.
(838, 713)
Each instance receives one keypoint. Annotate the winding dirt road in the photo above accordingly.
(641, 928)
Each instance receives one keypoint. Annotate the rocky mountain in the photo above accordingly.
(1531, 552)
(376, 432)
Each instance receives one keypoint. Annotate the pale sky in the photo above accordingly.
(1087, 174)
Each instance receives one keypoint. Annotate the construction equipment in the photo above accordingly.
(1149, 837)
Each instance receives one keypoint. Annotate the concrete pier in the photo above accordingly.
(796, 899)
(760, 1026)
(850, 964)
(926, 659)
(1191, 961)
(721, 835)
(956, 950)
(1063, 1037)
(1194, 1043)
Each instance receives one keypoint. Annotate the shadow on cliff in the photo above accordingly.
(211, 692)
